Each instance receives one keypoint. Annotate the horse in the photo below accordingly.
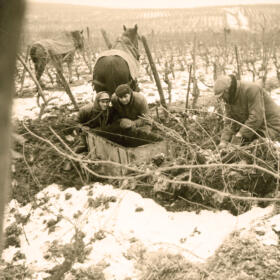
(118, 65)
(63, 48)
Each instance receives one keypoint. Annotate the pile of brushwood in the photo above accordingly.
(42, 161)
(203, 176)
(193, 176)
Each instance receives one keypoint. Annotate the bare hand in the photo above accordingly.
(126, 123)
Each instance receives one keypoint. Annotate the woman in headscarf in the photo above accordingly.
(97, 115)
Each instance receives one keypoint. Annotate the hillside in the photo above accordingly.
(44, 19)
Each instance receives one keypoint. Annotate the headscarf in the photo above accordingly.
(101, 115)
(100, 96)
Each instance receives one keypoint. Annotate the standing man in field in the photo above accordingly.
(130, 106)
(249, 111)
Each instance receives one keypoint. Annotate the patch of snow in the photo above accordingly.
(130, 217)
(25, 108)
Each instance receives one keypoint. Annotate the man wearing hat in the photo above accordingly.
(130, 107)
(250, 111)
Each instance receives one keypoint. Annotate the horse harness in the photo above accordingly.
(127, 45)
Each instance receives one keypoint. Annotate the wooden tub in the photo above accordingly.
(105, 149)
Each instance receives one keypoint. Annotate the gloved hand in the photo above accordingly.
(236, 140)
(127, 123)
(222, 145)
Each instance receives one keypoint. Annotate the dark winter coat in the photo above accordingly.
(92, 116)
(137, 107)
(253, 107)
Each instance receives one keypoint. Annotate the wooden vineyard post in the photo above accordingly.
(155, 73)
(195, 90)
(63, 80)
(239, 73)
(276, 64)
(87, 51)
(189, 86)
(265, 54)
(226, 34)
(24, 71)
(107, 41)
(166, 79)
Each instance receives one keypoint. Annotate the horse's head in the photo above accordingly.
(78, 38)
(132, 35)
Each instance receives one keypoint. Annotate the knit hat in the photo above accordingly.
(122, 90)
(103, 95)
(221, 84)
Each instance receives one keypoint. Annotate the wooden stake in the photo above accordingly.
(87, 51)
(155, 73)
(63, 80)
(195, 92)
(107, 41)
(189, 86)
(238, 63)
(24, 71)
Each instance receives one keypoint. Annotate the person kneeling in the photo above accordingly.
(250, 111)
(97, 115)
(130, 107)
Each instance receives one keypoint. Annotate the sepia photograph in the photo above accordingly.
(140, 140)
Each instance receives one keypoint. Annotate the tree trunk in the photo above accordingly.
(11, 21)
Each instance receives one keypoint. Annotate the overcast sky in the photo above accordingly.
(158, 3)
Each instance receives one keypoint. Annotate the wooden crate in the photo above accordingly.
(104, 149)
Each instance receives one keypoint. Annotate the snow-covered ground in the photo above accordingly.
(113, 229)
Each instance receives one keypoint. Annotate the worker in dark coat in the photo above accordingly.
(130, 107)
(249, 105)
(98, 115)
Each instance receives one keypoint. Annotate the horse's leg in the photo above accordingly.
(60, 67)
(39, 69)
(69, 64)
(49, 74)
(69, 61)
(39, 58)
